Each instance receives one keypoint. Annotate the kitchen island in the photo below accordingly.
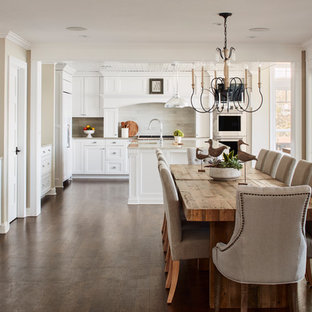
(144, 182)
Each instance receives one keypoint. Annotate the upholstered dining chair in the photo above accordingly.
(271, 162)
(285, 169)
(261, 157)
(257, 250)
(302, 174)
(184, 243)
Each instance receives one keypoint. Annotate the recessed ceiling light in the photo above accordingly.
(251, 37)
(259, 29)
(76, 28)
(216, 23)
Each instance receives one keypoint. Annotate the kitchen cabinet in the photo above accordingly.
(100, 157)
(86, 97)
(110, 122)
(46, 169)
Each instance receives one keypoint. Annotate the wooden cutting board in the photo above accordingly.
(133, 127)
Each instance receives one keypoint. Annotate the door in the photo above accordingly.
(110, 122)
(67, 136)
(94, 159)
(12, 143)
(78, 108)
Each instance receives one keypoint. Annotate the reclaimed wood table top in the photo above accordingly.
(190, 172)
(209, 200)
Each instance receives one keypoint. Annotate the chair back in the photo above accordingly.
(271, 162)
(268, 245)
(172, 205)
(302, 174)
(261, 157)
(161, 157)
(285, 169)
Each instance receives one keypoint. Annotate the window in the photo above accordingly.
(281, 108)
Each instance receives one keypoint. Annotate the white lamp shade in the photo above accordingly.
(176, 102)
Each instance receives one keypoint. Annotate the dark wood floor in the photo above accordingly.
(90, 251)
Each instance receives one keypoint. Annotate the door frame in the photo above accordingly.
(21, 134)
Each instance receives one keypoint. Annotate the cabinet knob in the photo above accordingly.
(114, 153)
(114, 167)
(94, 142)
(114, 142)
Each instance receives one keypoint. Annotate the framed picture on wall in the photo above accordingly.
(156, 86)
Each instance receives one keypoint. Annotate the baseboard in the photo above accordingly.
(31, 212)
(4, 228)
(52, 192)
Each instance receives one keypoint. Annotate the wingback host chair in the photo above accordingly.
(261, 157)
(271, 162)
(285, 169)
(185, 243)
(302, 174)
(268, 245)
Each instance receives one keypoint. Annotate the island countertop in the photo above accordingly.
(170, 144)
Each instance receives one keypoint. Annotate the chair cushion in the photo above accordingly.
(271, 163)
(261, 158)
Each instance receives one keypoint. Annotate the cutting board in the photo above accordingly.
(133, 127)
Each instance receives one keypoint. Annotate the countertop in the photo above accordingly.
(169, 144)
(100, 138)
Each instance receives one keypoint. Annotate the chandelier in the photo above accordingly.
(227, 93)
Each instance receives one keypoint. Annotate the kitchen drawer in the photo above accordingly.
(115, 153)
(115, 167)
(45, 184)
(91, 142)
(46, 150)
(116, 142)
(46, 164)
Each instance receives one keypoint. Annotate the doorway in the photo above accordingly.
(16, 142)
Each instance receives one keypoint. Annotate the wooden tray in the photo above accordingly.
(133, 127)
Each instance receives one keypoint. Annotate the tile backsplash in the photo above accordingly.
(79, 123)
(172, 118)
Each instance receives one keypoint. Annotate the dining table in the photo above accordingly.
(205, 199)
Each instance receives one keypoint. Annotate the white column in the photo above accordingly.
(35, 141)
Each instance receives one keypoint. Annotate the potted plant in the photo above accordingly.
(178, 135)
(89, 131)
(226, 169)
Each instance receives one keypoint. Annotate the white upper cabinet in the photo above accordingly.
(86, 97)
(110, 122)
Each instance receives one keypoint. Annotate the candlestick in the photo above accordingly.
(202, 74)
(259, 74)
(246, 72)
(193, 78)
(215, 75)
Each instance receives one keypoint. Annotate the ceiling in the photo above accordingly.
(162, 21)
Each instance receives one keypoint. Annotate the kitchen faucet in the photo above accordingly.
(160, 126)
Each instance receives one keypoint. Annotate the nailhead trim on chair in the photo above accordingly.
(266, 195)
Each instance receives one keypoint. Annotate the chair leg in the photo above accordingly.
(217, 289)
(244, 297)
(308, 273)
(174, 280)
(293, 297)
(167, 265)
(169, 276)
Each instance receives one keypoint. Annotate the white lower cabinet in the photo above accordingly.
(100, 157)
(46, 169)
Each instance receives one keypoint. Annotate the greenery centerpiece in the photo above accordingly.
(178, 135)
(226, 169)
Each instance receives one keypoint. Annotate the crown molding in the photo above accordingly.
(17, 40)
(307, 43)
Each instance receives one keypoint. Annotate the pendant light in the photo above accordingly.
(176, 101)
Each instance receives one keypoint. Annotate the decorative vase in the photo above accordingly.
(178, 139)
(125, 132)
(224, 174)
(89, 133)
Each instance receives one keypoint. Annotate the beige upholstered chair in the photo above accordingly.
(302, 173)
(261, 157)
(285, 169)
(257, 250)
(271, 162)
(183, 243)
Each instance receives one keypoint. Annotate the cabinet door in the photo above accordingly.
(78, 109)
(110, 122)
(92, 96)
(94, 159)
